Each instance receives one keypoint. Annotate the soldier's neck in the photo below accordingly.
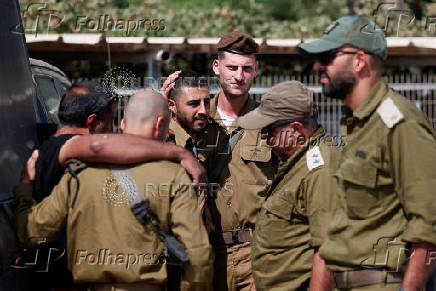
(231, 105)
(71, 130)
(361, 90)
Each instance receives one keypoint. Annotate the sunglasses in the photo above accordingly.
(327, 57)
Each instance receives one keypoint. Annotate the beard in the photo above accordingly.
(340, 85)
(187, 125)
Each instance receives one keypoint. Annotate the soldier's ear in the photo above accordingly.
(297, 127)
(361, 61)
(91, 122)
(172, 106)
(123, 125)
(160, 128)
(215, 67)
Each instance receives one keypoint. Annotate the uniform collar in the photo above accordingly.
(248, 106)
(180, 134)
(370, 103)
(285, 166)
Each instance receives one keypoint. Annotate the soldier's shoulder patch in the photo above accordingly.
(314, 158)
(389, 113)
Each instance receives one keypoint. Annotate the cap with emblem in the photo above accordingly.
(237, 43)
(290, 100)
(357, 31)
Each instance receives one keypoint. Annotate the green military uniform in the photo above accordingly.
(105, 242)
(244, 186)
(205, 146)
(294, 219)
(386, 177)
(246, 179)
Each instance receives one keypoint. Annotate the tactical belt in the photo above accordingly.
(235, 237)
(353, 279)
(138, 286)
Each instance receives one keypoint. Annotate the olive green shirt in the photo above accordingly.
(247, 177)
(205, 146)
(293, 220)
(105, 242)
(386, 185)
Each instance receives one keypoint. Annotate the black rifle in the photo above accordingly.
(175, 254)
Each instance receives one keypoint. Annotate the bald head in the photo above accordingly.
(147, 114)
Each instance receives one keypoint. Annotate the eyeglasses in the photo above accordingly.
(327, 57)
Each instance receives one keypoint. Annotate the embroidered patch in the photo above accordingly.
(112, 193)
(314, 158)
(389, 113)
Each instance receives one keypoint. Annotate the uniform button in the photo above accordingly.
(229, 203)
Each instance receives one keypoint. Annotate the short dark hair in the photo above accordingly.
(221, 55)
(83, 99)
(187, 79)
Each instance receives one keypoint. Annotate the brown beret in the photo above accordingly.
(238, 43)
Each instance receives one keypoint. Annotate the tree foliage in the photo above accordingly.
(199, 18)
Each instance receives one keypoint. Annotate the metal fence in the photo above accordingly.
(420, 89)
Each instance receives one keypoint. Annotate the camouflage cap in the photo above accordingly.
(357, 31)
(238, 43)
(290, 100)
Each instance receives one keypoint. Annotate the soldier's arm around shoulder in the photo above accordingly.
(188, 227)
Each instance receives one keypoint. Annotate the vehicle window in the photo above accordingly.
(48, 95)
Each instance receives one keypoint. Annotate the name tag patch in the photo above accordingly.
(314, 158)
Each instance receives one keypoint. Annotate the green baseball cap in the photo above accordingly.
(357, 31)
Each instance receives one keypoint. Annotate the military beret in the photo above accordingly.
(238, 43)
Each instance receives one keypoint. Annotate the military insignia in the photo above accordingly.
(112, 193)
(389, 113)
(361, 154)
(331, 27)
(171, 137)
(256, 153)
(314, 158)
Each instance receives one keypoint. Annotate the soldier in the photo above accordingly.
(293, 220)
(87, 108)
(384, 227)
(107, 246)
(191, 126)
(246, 178)
(244, 168)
